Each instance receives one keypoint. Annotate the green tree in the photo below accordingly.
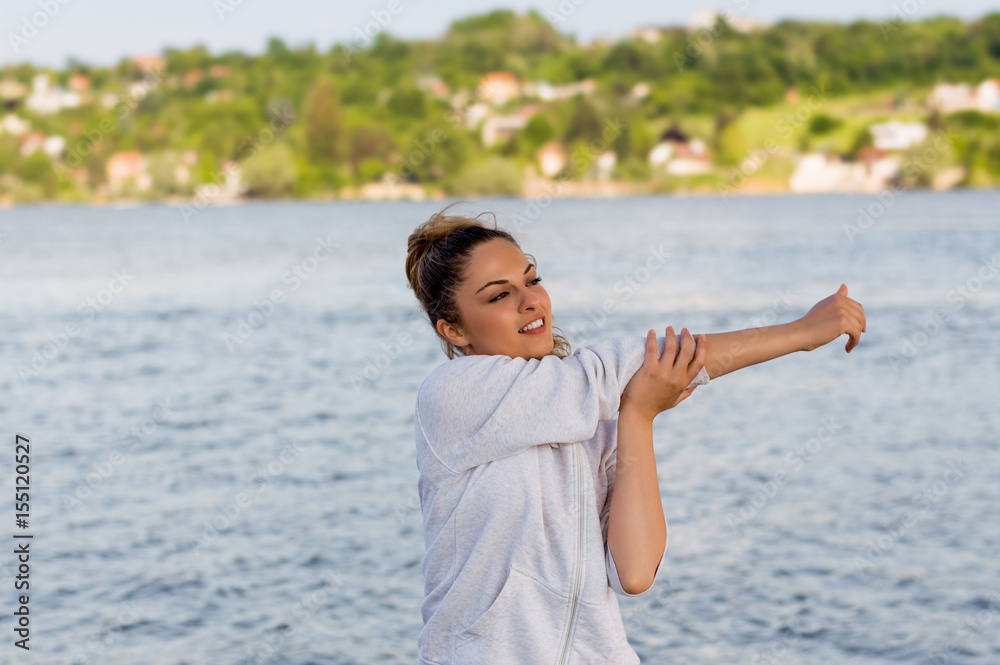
(584, 123)
(495, 176)
(325, 130)
(537, 132)
(271, 172)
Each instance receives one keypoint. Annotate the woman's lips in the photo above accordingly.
(537, 331)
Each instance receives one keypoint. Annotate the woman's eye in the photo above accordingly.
(503, 293)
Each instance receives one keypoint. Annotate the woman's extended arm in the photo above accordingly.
(828, 319)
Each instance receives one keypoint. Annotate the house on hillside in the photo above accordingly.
(128, 168)
(149, 63)
(548, 92)
(953, 97)
(679, 155)
(988, 96)
(606, 162)
(30, 142)
(12, 124)
(819, 172)
(895, 135)
(78, 83)
(191, 78)
(498, 88)
(641, 90)
(433, 85)
(498, 128)
(551, 159)
(46, 99)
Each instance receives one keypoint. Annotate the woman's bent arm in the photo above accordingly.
(637, 531)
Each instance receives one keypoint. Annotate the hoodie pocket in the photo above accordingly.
(524, 624)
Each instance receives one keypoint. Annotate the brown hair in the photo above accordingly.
(437, 258)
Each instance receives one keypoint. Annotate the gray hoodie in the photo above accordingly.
(517, 465)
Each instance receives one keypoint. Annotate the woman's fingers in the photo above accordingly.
(855, 326)
(669, 346)
(687, 348)
(861, 313)
(650, 345)
(684, 395)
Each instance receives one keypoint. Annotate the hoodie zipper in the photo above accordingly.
(579, 556)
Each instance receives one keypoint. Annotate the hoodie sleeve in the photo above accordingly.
(477, 409)
(610, 466)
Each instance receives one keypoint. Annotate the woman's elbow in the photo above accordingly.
(636, 585)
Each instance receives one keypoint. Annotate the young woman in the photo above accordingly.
(538, 505)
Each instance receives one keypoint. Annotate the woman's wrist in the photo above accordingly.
(633, 413)
(798, 330)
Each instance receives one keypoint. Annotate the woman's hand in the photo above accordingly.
(661, 383)
(832, 317)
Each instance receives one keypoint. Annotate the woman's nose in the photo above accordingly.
(532, 299)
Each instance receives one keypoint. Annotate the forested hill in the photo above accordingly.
(357, 110)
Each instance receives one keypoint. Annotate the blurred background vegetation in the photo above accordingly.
(396, 107)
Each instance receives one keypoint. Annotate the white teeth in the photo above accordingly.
(532, 326)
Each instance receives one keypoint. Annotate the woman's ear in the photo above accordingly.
(451, 333)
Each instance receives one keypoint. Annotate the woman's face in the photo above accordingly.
(493, 313)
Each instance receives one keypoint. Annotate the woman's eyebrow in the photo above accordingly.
(502, 281)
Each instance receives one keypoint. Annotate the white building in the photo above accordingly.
(45, 99)
(551, 158)
(680, 156)
(826, 173)
(606, 162)
(988, 95)
(895, 135)
(500, 128)
(548, 92)
(11, 124)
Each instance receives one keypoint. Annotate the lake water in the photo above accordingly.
(221, 423)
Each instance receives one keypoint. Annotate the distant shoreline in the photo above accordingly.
(124, 204)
